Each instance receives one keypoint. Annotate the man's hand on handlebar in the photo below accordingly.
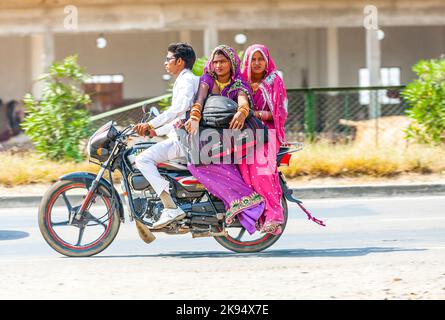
(142, 128)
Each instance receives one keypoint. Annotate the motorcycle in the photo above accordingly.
(81, 213)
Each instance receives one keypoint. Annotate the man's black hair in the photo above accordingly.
(184, 51)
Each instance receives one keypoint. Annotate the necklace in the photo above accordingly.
(255, 86)
(222, 85)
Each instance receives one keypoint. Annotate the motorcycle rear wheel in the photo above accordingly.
(259, 242)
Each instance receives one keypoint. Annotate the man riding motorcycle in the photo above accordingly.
(178, 62)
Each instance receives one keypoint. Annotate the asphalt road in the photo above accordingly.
(377, 248)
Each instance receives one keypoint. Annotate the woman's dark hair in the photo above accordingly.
(220, 53)
(184, 51)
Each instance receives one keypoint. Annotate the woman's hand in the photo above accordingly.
(237, 122)
(263, 115)
(152, 133)
(191, 126)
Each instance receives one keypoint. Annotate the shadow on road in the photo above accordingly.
(282, 253)
(12, 235)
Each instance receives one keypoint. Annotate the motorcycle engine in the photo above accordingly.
(148, 210)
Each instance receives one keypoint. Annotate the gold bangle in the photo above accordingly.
(197, 106)
(244, 112)
(195, 118)
(194, 114)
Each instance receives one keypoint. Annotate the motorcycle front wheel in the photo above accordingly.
(240, 241)
(73, 237)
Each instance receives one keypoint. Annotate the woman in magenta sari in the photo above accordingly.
(270, 105)
(222, 77)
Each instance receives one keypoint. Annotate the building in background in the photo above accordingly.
(122, 42)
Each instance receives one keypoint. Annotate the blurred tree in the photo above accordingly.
(198, 67)
(58, 121)
(426, 96)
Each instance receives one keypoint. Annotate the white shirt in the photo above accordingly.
(184, 91)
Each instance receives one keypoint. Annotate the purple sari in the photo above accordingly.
(224, 180)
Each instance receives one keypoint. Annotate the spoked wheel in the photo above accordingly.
(239, 240)
(91, 233)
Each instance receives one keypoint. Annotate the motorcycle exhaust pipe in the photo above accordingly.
(208, 233)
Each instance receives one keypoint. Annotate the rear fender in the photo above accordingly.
(288, 193)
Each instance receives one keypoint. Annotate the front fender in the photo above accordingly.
(87, 178)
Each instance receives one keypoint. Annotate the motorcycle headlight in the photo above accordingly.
(102, 142)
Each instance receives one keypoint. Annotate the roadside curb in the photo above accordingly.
(301, 193)
(25, 201)
(368, 191)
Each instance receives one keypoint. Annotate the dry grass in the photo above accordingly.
(316, 160)
(26, 168)
(325, 160)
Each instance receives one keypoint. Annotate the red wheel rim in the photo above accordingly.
(54, 234)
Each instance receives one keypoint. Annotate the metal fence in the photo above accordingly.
(345, 114)
(368, 115)
(129, 114)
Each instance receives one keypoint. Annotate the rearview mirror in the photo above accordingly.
(154, 111)
(145, 109)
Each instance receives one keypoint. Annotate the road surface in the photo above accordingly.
(376, 248)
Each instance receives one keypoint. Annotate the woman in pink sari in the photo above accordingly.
(270, 105)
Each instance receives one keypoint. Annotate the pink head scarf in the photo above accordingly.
(272, 87)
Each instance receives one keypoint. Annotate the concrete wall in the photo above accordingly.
(139, 55)
(14, 67)
(402, 47)
(295, 51)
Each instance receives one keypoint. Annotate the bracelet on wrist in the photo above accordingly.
(197, 106)
(244, 112)
(265, 116)
(195, 114)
